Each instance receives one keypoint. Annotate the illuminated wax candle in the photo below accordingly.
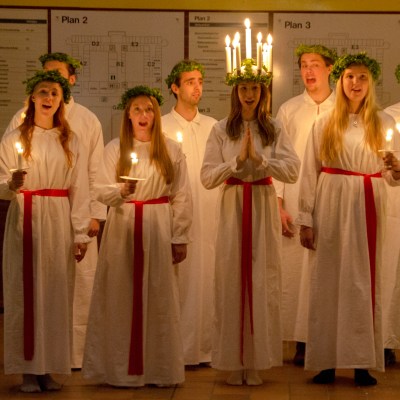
(228, 54)
(248, 38)
(20, 150)
(134, 158)
(234, 64)
(264, 54)
(238, 56)
(269, 52)
(259, 52)
(389, 136)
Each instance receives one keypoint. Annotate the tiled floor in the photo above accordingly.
(283, 383)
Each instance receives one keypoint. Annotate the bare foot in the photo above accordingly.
(30, 384)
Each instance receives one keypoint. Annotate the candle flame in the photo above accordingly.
(134, 158)
(179, 137)
(259, 37)
(269, 39)
(19, 147)
(398, 126)
(389, 135)
(247, 23)
(237, 37)
(227, 40)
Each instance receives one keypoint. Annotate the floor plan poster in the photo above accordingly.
(23, 39)
(207, 32)
(377, 34)
(119, 50)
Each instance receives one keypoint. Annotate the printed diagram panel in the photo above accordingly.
(118, 50)
(346, 33)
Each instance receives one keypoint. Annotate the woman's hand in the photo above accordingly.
(80, 251)
(94, 227)
(179, 252)
(17, 180)
(244, 149)
(307, 237)
(128, 188)
(254, 156)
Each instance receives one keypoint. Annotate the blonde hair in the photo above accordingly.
(332, 135)
(265, 126)
(158, 149)
(59, 121)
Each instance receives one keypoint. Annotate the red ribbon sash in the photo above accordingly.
(246, 261)
(136, 346)
(28, 265)
(370, 217)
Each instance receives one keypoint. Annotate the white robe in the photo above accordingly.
(297, 116)
(109, 329)
(87, 127)
(196, 273)
(263, 349)
(342, 331)
(53, 259)
(391, 259)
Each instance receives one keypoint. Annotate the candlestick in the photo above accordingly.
(228, 54)
(269, 53)
(20, 150)
(248, 38)
(259, 52)
(238, 55)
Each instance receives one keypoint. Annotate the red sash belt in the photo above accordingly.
(246, 262)
(370, 217)
(28, 265)
(136, 346)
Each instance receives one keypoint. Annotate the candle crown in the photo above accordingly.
(248, 72)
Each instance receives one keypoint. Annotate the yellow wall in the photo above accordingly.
(237, 5)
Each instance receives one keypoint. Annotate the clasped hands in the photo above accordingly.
(247, 150)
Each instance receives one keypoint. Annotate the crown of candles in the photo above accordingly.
(263, 63)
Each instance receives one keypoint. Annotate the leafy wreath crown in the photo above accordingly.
(249, 73)
(317, 49)
(183, 66)
(397, 73)
(62, 57)
(48, 76)
(346, 60)
(140, 91)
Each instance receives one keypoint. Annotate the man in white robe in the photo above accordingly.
(87, 127)
(196, 272)
(297, 116)
(391, 257)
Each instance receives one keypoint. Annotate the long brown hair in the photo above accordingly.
(158, 149)
(59, 121)
(332, 135)
(265, 126)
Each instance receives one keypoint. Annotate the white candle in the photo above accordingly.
(389, 136)
(269, 52)
(234, 64)
(248, 38)
(238, 56)
(20, 150)
(264, 54)
(228, 54)
(259, 52)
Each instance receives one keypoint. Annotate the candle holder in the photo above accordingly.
(385, 152)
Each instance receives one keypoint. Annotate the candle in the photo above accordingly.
(134, 158)
(179, 137)
(228, 54)
(389, 136)
(398, 126)
(269, 52)
(264, 54)
(20, 150)
(259, 52)
(248, 38)
(238, 56)
(234, 64)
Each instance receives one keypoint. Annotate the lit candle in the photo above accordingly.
(20, 150)
(389, 136)
(398, 126)
(234, 64)
(259, 52)
(238, 56)
(134, 158)
(179, 137)
(228, 54)
(269, 52)
(248, 38)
